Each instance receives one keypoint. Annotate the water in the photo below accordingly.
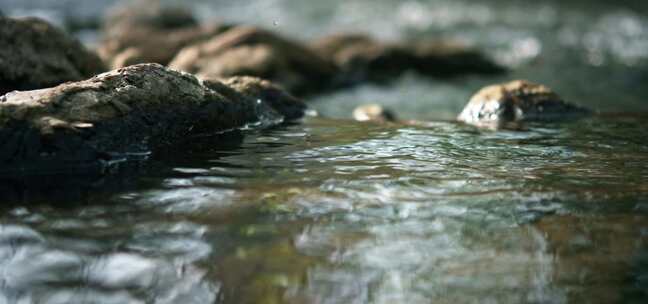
(334, 211)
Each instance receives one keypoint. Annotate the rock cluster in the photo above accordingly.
(245, 50)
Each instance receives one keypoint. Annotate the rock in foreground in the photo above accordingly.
(517, 101)
(35, 54)
(134, 109)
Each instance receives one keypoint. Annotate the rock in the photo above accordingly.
(35, 55)
(373, 112)
(149, 14)
(251, 51)
(153, 32)
(138, 108)
(517, 101)
(362, 57)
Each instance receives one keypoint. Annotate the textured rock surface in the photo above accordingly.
(145, 32)
(517, 101)
(249, 51)
(35, 54)
(361, 57)
(134, 109)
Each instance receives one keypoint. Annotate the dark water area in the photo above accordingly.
(329, 210)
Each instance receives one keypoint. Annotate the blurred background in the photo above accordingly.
(591, 52)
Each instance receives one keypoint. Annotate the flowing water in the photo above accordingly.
(329, 210)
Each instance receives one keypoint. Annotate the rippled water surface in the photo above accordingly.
(333, 211)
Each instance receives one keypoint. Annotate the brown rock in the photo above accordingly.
(362, 57)
(516, 101)
(152, 32)
(137, 108)
(35, 54)
(251, 51)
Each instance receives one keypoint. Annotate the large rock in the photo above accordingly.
(361, 57)
(134, 109)
(146, 32)
(517, 101)
(252, 51)
(35, 54)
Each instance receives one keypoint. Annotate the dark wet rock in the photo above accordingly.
(155, 33)
(134, 109)
(361, 57)
(35, 54)
(517, 101)
(373, 112)
(252, 51)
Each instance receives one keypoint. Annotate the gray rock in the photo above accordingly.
(250, 51)
(35, 55)
(138, 108)
(362, 58)
(154, 33)
(517, 101)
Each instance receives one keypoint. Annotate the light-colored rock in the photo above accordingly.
(373, 112)
(517, 101)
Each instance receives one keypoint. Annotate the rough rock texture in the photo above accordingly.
(373, 112)
(251, 51)
(361, 57)
(148, 33)
(517, 101)
(133, 109)
(35, 54)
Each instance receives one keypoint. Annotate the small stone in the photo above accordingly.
(373, 112)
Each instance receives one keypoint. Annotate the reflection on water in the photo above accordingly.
(335, 211)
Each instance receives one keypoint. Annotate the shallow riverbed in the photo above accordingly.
(334, 211)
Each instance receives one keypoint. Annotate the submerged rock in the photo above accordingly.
(517, 101)
(252, 51)
(153, 32)
(35, 54)
(361, 57)
(133, 109)
(373, 112)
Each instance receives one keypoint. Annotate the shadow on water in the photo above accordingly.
(86, 185)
